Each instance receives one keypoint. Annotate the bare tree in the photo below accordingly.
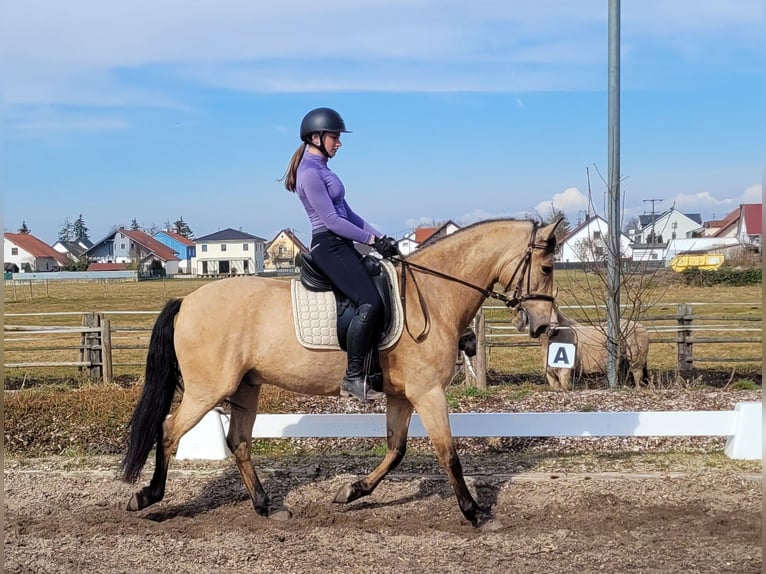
(587, 291)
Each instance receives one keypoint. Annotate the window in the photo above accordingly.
(204, 249)
(653, 256)
(596, 235)
(14, 250)
(245, 247)
(223, 247)
(122, 246)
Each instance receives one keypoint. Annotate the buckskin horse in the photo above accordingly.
(228, 338)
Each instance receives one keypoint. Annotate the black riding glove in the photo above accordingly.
(386, 246)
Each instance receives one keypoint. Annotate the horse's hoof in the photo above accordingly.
(345, 494)
(484, 520)
(135, 502)
(280, 514)
(490, 524)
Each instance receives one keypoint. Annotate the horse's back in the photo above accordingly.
(233, 310)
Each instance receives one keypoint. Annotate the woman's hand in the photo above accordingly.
(386, 246)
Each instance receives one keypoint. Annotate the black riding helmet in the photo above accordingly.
(321, 120)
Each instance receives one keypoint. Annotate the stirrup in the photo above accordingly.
(367, 392)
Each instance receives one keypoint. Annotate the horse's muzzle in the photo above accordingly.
(536, 330)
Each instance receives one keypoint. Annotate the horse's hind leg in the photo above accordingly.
(398, 413)
(188, 414)
(244, 405)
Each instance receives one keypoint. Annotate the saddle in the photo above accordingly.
(314, 286)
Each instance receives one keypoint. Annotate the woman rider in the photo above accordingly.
(334, 228)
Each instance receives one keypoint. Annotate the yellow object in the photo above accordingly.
(704, 261)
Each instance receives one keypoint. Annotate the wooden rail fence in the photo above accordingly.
(92, 345)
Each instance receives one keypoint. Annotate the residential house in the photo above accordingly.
(588, 243)
(656, 230)
(30, 254)
(141, 250)
(183, 246)
(745, 224)
(421, 236)
(229, 252)
(74, 250)
(282, 252)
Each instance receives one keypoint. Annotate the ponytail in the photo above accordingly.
(291, 173)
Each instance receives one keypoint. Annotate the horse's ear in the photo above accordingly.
(548, 233)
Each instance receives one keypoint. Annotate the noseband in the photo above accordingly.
(516, 298)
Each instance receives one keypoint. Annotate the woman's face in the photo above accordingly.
(331, 142)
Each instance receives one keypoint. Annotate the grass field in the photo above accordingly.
(727, 311)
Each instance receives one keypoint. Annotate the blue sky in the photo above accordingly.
(460, 110)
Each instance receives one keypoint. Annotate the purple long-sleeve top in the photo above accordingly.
(324, 198)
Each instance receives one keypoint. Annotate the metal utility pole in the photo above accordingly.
(651, 233)
(613, 255)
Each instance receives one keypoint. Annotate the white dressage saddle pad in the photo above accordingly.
(315, 315)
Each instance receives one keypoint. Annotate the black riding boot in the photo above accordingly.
(360, 336)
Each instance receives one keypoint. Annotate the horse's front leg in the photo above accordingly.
(433, 411)
(398, 413)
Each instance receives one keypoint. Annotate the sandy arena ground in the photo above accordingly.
(63, 517)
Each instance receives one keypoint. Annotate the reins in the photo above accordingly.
(522, 270)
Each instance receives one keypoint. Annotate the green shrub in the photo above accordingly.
(726, 276)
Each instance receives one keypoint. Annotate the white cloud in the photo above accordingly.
(753, 194)
(570, 201)
(93, 51)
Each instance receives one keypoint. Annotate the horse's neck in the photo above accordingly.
(476, 255)
(562, 319)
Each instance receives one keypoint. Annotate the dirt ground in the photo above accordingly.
(68, 516)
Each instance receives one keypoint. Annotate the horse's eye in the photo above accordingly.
(547, 269)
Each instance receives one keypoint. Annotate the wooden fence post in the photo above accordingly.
(106, 349)
(481, 352)
(685, 339)
(91, 349)
(87, 319)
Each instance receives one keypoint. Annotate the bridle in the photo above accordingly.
(518, 296)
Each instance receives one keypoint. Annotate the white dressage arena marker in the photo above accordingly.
(561, 355)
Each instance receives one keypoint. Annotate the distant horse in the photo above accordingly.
(228, 338)
(592, 353)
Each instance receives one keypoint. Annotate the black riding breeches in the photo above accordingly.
(337, 258)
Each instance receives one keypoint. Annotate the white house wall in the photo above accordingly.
(573, 252)
(684, 226)
(20, 257)
(236, 253)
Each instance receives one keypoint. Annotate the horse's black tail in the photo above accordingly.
(160, 381)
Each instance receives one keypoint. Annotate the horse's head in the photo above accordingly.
(533, 288)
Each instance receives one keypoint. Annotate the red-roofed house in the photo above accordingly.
(31, 254)
(185, 247)
(424, 235)
(745, 223)
(139, 249)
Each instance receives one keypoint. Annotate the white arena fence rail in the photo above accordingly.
(743, 427)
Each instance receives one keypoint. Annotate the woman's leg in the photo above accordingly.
(338, 259)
